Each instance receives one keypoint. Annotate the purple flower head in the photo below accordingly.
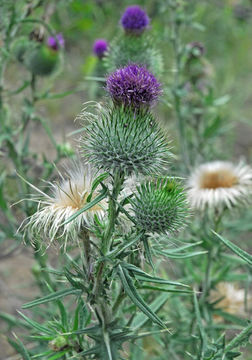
(134, 20)
(134, 86)
(55, 42)
(100, 47)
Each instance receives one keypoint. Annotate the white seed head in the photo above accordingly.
(220, 184)
(228, 298)
(67, 197)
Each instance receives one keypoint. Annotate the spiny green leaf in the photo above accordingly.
(140, 319)
(54, 296)
(243, 254)
(199, 323)
(92, 203)
(36, 325)
(180, 256)
(141, 275)
(19, 347)
(58, 355)
(135, 297)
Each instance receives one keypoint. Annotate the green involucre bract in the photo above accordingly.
(127, 141)
(126, 49)
(160, 206)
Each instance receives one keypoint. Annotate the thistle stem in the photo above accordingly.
(118, 179)
(175, 40)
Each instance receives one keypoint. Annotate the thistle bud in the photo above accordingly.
(129, 141)
(59, 343)
(100, 47)
(42, 60)
(160, 206)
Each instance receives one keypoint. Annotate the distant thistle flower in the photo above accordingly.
(134, 20)
(160, 206)
(231, 299)
(69, 196)
(55, 42)
(130, 142)
(100, 47)
(220, 184)
(134, 86)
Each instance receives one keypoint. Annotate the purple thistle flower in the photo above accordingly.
(100, 47)
(134, 86)
(55, 42)
(134, 19)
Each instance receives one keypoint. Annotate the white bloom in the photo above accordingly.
(68, 196)
(219, 184)
(229, 298)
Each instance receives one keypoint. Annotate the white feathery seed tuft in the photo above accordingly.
(219, 184)
(67, 197)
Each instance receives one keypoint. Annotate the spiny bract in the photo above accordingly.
(125, 140)
(160, 206)
(140, 50)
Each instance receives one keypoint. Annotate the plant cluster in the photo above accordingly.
(148, 265)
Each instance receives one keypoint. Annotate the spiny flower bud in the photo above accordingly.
(134, 86)
(195, 49)
(100, 47)
(134, 20)
(41, 60)
(59, 343)
(129, 141)
(160, 206)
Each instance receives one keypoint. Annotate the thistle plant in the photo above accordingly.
(140, 254)
(112, 221)
(134, 44)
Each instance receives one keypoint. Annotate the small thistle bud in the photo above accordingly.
(66, 149)
(56, 42)
(100, 47)
(133, 86)
(134, 20)
(160, 206)
(41, 60)
(195, 49)
(59, 343)
(125, 140)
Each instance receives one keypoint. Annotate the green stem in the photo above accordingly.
(120, 297)
(175, 40)
(118, 180)
(102, 309)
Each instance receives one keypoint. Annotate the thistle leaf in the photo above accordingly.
(54, 296)
(92, 203)
(136, 298)
(243, 254)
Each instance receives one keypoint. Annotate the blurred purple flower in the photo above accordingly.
(134, 86)
(100, 47)
(134, 19)
(55, 42)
